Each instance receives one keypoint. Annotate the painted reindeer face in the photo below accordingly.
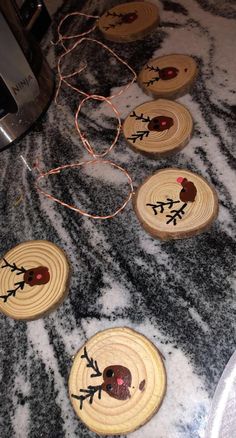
(165, 74)
(117, 380)
(121, 19)
(34, 276)
(160, 123)
(37, 276)
(188, 192)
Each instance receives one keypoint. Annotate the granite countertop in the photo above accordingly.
(181, 294)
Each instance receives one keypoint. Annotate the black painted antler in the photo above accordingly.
(20, 285)
(91, 364)
(161, 205)
(177, 214)
(152, 81)
(14, 267)
(91, 390)
(114, 14)
(141, 117)
(151, 68)
(139, 135)
(89, 393)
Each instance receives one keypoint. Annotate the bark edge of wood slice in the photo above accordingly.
(166, 186)
(141, 19)
(44, 284)
(182, 68)
(132, 350)
(143, 137)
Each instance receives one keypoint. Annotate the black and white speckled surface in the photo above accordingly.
(180, 294)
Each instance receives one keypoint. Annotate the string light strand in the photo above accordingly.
(62, 37)
(77, 209)
(83, 138)
(63, 78)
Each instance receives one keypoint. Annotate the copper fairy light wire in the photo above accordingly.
(96, 157)
(62, 78)
(62, 37)
(84, 163)
(84, 140)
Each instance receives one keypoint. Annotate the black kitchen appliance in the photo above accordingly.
(26, 81)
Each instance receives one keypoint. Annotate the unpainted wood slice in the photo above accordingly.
(158, 128)
(175, 203)
(33, 279)
(129, 21)
(130, 387)
(169, 76)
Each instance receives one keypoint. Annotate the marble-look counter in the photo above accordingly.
(181, 294)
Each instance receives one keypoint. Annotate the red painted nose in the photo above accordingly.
(119, 381)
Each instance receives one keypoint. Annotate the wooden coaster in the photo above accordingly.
(169, 76)
(129, 21)
(175, 203)
(33, 279)
(117, 381)
(158, 128)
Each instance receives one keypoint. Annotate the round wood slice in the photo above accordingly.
(169, 209)
(129, 21)
(158, 128)
(169, 76)
(130, 387)
(37, 273)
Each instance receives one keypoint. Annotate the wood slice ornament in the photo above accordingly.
(158, 128)
(169, 76)
(129, 21)
(117, 381)
(33, 279)
(175, 203)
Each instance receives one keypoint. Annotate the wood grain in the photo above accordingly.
(158, 144)
(35, 301)
(119, 346)
(172, 88)
(147, 20)
(198, 215)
